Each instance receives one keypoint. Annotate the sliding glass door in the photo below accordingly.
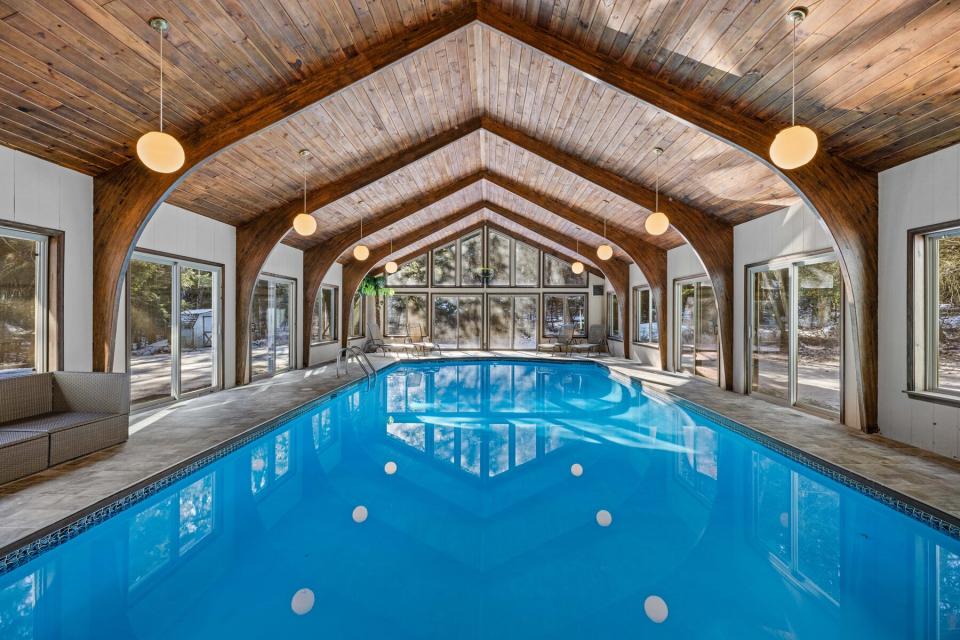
(512, 321)
(794, 332)
(458, 321)
(272, 326)
(173, 322)
(696, 329)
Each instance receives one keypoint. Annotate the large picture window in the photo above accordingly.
(646, 328)
(512, 263)
(23, 301)
(935, 311)
(557, 273)
(410, 274)
(324, 328)
(564, 308)
(403, 312)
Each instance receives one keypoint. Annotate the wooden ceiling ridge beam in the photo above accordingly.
(844, 195)
(127, 196)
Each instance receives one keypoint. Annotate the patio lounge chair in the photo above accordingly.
(560, 341)
(596, 340)
(379, 344)
(422, 341)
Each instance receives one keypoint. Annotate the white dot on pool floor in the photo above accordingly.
(656, 608)
(576, 469)
(302, 602)
(359, 513)
(390, 468)
(604, 518)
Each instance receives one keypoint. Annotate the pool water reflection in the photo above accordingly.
(496, 500)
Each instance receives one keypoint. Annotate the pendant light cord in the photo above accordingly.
(793, 77)
(303, 165)
(161, 80)
(656, 197)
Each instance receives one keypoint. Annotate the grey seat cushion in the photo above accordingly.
(54, 422)
(9, 437)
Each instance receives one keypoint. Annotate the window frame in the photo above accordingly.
(48, 296)
(362, 333)
(652, 315)
(334, 315)
(428, 273)
(565, 295)
(544, 256)
(427, 315)
(512, 261)
(677, 320)
(610, 301)
(456, 266)
(921, 291)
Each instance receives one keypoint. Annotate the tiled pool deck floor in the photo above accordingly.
(165, 437)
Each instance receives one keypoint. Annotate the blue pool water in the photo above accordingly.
(483, 530)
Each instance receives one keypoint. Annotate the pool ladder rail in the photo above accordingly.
(343, 356)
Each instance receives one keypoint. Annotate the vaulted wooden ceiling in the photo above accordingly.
(78, 84)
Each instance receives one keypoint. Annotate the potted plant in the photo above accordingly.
(484, 274)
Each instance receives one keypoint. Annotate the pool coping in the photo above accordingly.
(29, 547)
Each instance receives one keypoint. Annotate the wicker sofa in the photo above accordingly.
(48, 418)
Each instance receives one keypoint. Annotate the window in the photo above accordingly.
(646, 329)
(457, 321)
(410, 274)
(403, 311)
(936, 310)
(471, 260)
(794, 332)
(613, 317)
(324, 328)
(512, 263)
(564, 308)
(358, 314)
(173, 324)
(696, 327)
(512, 321)
(445, 266)
(557, 273)
(273, 325)
(23, 301)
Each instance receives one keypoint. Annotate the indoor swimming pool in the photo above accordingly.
(495, 499)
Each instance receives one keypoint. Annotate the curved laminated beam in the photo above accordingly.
(614, 271)
(845, 196)
(126, 197)
(257, 238)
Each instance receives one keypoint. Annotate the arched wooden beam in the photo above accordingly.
(710, 237)
(126, 197)
(650, 259)
(845, 196)
(317, 260)
(257, 238)
(615, 271)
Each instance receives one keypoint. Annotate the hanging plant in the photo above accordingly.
(484, 274)
(375, 286)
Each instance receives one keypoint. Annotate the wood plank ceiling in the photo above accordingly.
(878, 79)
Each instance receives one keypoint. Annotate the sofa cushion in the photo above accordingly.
(25, 396)
(9, 437)
(54, 422)
(22, 453)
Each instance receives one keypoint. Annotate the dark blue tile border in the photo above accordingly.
(26, 549)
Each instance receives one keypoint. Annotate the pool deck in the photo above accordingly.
(164, 438)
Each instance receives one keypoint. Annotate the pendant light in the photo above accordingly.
(157, 150)
(657, 222)
(796, 145)
(577, 266)
(391, 267)
(605, 251)
(304, 223)
(361, 252)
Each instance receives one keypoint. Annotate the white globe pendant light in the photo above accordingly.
(796, 145)
(604, 251)
(304, 223)
(391, 267)
(160, 151)
(657, 222)
(361, 252)
(577, 266)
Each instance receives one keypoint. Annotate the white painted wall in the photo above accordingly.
(40, 193)
(922, 192)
